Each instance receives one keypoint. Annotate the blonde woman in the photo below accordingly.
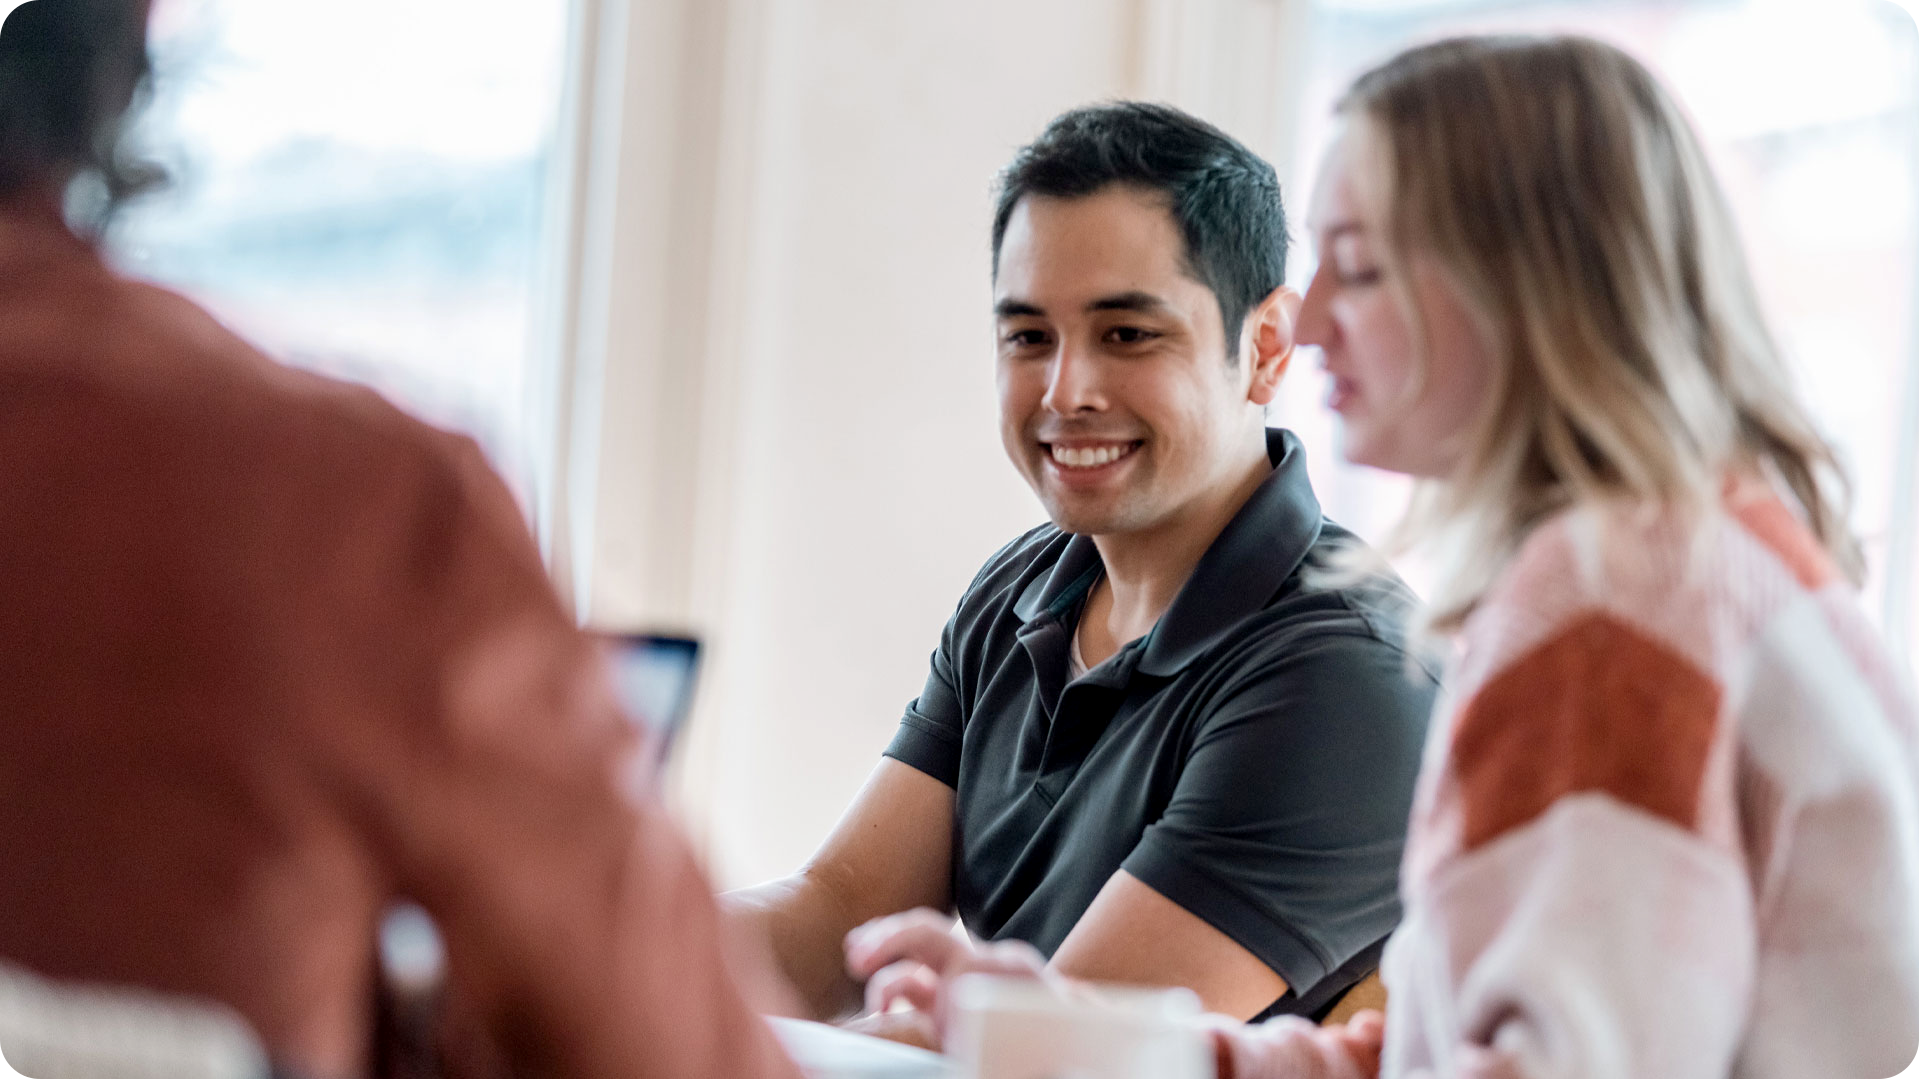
(1666, 821)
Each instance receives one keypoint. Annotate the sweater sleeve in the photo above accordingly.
(581, 936)
(1596, 941)
(1578, 901)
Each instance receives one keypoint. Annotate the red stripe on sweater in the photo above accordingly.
(1599, 707)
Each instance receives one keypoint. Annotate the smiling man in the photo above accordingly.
(1152, 743)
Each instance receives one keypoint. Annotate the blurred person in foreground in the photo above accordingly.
(273, 656)
(1146, 745)
(1666, 821)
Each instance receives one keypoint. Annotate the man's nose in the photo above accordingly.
(1073, 382)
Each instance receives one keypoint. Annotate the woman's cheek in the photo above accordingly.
(1387, 343)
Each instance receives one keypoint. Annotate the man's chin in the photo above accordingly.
(1084, 521)
(1119, 508)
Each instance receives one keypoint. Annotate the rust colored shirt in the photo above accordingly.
(274, 655)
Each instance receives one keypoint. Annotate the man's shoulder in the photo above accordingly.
(1374, 597)
(1327, 670)
(1336, 610)
(1322, 685)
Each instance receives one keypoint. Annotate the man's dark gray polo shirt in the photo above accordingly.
(1252, 758)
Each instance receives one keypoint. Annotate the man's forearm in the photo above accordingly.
(890, 852)
(803, 923)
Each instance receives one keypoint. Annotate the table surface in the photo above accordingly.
(825, 1050)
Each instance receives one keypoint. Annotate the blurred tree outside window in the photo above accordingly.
(360, 187)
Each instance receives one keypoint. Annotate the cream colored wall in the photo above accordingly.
(784, 431)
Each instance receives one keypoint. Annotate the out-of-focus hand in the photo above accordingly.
(1485, 1062)
(1294, 1046)
(913, 957)
(909, 1026)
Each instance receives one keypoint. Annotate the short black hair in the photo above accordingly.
(1224, 197)
(69, 73)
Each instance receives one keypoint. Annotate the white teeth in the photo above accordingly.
(1087, 457)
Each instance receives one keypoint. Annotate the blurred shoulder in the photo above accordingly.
(301, 419)
(158, 384)
(1699, 582)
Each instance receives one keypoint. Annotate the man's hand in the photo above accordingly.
(913, 957)
(1295, 1046)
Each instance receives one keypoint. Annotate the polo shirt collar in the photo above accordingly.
(1246, 566)
(1053, 592)
(1240, 573)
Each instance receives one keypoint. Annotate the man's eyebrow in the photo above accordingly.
(1144, 303)
(1013, 309)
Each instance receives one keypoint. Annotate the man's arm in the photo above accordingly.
(891, 851)
(1276, 859)
(913, 959)
(1132, 934)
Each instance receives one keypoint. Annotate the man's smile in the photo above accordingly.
(1081, 455)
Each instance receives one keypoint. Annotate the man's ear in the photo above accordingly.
(1270, 343)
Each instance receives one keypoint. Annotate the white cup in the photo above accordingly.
(1003, 1027)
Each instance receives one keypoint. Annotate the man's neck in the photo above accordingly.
(1146, 570)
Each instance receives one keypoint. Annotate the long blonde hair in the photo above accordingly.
(1559, 187)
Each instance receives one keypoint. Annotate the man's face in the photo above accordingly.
(1116, 398)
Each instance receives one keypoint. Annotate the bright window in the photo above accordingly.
(1809, 113)
(360, 186)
